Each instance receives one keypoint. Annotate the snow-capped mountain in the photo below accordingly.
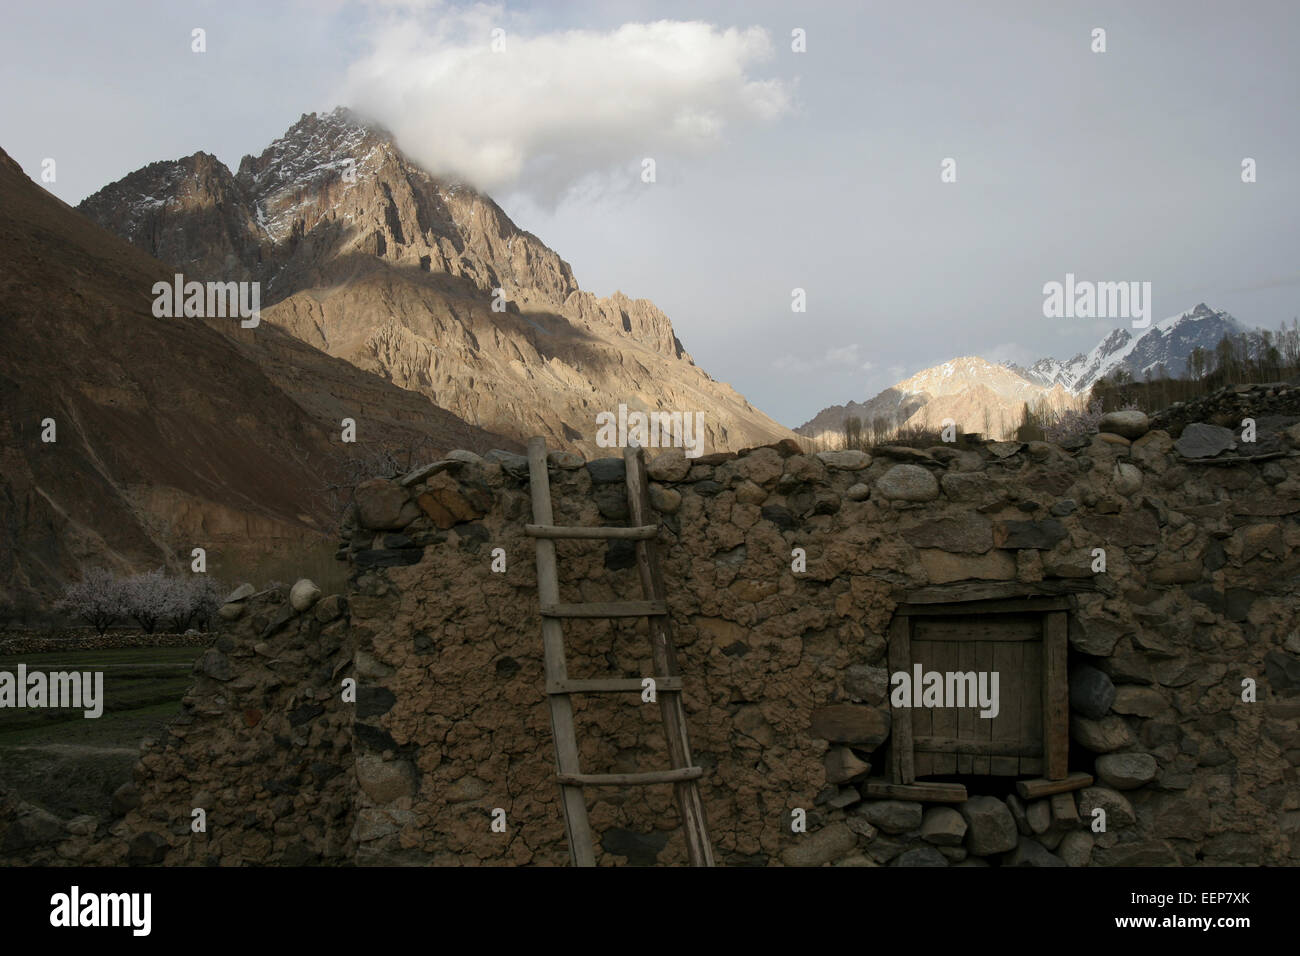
(1167, 343)
(976, 394)
(987, 398)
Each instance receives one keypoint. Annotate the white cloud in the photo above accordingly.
(839, 356)
(848, 355)
(552, 111)
(1010, 352)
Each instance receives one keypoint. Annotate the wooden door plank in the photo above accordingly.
(1056, 697)
(1031, 708)
(979, 627)
(966, 718)
(902, 768)
(923, 653)
(992, 748)
(944, 723)
(1006, 725)
(983, 731)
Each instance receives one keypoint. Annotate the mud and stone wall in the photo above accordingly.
(785, 664)
(785, 670)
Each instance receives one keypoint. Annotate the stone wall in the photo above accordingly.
(1272, 403)
(263, 747)
(785, 671)
(786, 674)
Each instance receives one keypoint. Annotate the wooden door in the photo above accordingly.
(1029, 735)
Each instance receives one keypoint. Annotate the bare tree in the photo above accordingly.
(852, 432)
(879, 429)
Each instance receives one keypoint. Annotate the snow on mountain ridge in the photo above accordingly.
(1168, 342)
(976, 394)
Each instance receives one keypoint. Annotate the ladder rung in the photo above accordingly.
(607, 609)
(640, 533)
(611, 685)
(629, 779)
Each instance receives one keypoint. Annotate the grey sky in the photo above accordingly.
(1116, 166)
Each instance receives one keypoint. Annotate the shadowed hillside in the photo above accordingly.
(170, 433)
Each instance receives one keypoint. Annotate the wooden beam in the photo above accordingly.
(973, 591)
(920, 792)
(680, 775)
(604, 608)
(610, 685)
(643, 533)
(1033, 789)
(1021, 605)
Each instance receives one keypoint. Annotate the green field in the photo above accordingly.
(70, 764)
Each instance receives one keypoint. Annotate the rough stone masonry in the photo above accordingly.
(786, 672)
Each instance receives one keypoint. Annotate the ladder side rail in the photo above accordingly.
(576, 824)
(664, 654)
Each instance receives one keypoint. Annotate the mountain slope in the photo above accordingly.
(364, 255)
(976, 394)
(170, 433)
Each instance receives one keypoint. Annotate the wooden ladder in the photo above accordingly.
(668, 683)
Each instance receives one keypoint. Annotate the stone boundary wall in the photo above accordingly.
(1270, 402)
(44, 640)
(785, 670)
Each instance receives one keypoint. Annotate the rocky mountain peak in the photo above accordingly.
(424, 281)
(311, 149)
(1166, 344)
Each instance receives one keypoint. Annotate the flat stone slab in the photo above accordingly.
(1200, 440)
(429, 470)
(516, 466)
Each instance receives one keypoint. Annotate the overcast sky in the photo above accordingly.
(775, 169)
